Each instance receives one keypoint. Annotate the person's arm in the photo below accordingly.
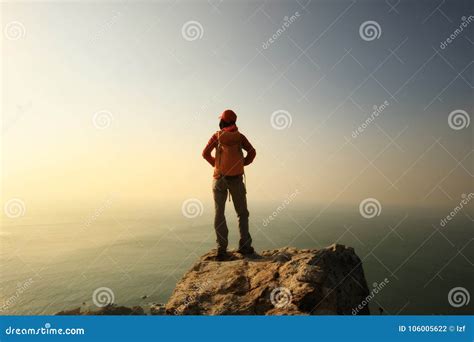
(206, 153)
(251, 153)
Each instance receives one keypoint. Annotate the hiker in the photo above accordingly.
(228, 163)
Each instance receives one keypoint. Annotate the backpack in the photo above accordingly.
(229, 155)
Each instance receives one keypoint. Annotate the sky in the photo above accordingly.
(103, 98)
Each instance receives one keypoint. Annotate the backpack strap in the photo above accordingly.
(218, 151)
(243, 162)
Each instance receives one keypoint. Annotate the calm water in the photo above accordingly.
(51, 263)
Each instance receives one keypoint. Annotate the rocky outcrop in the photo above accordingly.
(285, 281)
(109, 310)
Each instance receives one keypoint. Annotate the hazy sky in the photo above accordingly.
(155, 90)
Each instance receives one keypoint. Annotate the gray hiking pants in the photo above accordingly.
(236, 187)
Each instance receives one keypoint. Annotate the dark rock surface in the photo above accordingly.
(110, 310)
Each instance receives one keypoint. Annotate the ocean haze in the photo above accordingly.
(146, 253)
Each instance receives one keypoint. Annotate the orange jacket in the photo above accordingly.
(228, 167)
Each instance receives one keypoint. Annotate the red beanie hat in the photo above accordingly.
(228, 115)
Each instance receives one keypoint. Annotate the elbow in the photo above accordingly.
(254, 154)
(250, 157)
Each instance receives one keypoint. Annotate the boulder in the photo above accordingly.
(285, 281)
(109, 310)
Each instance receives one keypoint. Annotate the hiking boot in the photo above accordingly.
(221, 255)
(246, 251)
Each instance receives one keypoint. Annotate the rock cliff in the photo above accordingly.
(285, 281)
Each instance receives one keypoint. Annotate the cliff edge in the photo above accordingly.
(285, 281)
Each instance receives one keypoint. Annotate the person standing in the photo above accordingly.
(229, 163)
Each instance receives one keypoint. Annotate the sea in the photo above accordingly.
(51, 262)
